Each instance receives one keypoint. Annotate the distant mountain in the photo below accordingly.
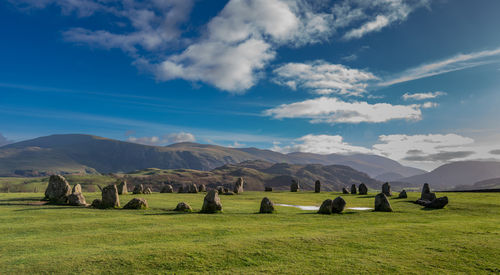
(484, 184)
(75, 153)
(257, 175)
(457, 173)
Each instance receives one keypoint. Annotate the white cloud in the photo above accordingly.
(334, 110)
(455, 63)
(323, 78)
(422, 96)
(165, 139)
(320, 144)
(428, 105)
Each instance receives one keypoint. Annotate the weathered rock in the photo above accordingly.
(220, 189)
(362, 189)
(338, 205)
(317, 186)
(427, 195)
(183, 207)
(294, 187)
(122, 188)
(382, 203)
(353, 189)
(238, 186)
(268, 189)
(226, 189)
(266, 206)
(192, 188)
(97, 203)
(211, 202)
(345, 191)
(438, 203)
(326, 207)
(110, 198)
(76, 198)
(77, 188)
(402, 195)
(202, 188)
(167, 188)
(136, 203)
(148, 191)
(58, 190)
(138, 189)
(386, 189)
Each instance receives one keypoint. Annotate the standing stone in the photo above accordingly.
(148, 191)
(294, 187)
(110, 198)
(353, 189)
(382, 203)
(182, 189)
(202, 188)
(97, 203)
(138, 189)
(268, 189)
(345, 191)
(226, 190)
(167, 188)
(317, 186)
(211, 203)
(338, 205)
(136, 203)
(238, 186)
(76, 198)
(266, 206)
(183, 207)
(58, 190)
(386, 189)
(326, 207)
(192, 188)
(427, 195)
(122, 188)
(438, 203)
(220, 189)
(363, 190)
(402, 195)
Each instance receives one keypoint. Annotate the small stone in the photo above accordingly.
(317, 186)
(326, 207)
(266, 206)
(382, 203)
(211, 202)
(338, 205)
(138, 189)
(202, 188)
(183, 207)
(238, 186)
(192, 188)
(76, 198)
(353, 189)
(148, 191)
(97, 203)
(294, 187)
(136, 203)
(345, 191)
(167, 188)
(363, 190)
(386, 189)
(402, 195)
(228, 193)
(268, 189)
(438, 203)
(122, 188)
(220, 190)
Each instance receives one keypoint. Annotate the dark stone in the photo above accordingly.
(138, 189)
(438, 203)
(294, 187)
(122, 188)
(427, 195)
(402, 195)
(220, 190)
(226, 189)
(96, 203)
(266, 206)
(386, 189)
(58, 190)
(110, 197)
(338, 205)
(192, 188)
(238, 186)
(317, 186)
(136, 203)
(268, 189)
(345, 191)
(382, 203)
(228, 193)
(211, 202)
(353, 189)
(202, 188)
(326, 207)
(183, 207)
(167, 188)
(362, 189)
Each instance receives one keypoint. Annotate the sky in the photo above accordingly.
(417, 81)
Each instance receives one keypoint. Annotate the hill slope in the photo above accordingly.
(87, 154)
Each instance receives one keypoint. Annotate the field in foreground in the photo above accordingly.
(462, 238)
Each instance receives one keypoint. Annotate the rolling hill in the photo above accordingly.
(76, 153)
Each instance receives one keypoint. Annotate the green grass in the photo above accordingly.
(462, 238)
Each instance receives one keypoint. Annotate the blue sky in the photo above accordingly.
(417, 81)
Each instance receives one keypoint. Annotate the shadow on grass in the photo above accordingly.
(366, 196)
(47, 208)
(22, 199)
(333, 214)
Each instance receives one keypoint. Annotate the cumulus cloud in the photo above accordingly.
(422, 96)
(334, 110)
(4, 140)
(323, 78)
(165, 139)
(320, 144)
(455, 63)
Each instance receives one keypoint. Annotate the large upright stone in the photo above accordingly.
(192, 188)
(167, 188)
(382, 203)
(266, 206)
(294, 187)
(402, 195)
(238, 186)
(211, 202)
(317, 186)
(386, 189)
(345, 191)
(326, 207)
(353, 189)
(76, 198)
(338, 205)
(122, 188)
(58, 190)
(136, 203)
(427, 195)
(110, 198)
(363, 190)
(138, 189)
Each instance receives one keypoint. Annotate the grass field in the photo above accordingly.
(462, 238)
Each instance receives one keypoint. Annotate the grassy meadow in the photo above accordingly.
(463, 238)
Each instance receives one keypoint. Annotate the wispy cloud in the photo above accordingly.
(164, 139)
(422, 96)
(455, 63)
